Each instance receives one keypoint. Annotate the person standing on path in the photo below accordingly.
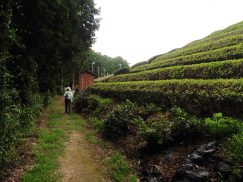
(68, 95)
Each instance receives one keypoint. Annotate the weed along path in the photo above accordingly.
(62, 153)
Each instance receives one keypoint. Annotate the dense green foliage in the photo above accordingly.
(122, 71)
(41, 42)
(196, 96)
(222, 69)
(219, 126)
(234, 147)
(119, 120)
(154, 126)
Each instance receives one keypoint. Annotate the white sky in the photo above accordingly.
(140, 29)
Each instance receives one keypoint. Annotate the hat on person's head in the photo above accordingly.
(68, 88)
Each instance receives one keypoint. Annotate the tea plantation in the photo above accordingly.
(203, 77)
(181, 111)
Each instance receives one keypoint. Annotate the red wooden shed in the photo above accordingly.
(86, 79)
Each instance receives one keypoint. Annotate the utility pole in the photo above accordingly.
(98, 71)
(93, 67)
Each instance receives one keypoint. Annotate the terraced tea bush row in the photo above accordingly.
(222, 69)
(231, 28)
(201, 44)
(216, 36)
(207, 46)
(200, 97)
(227, 53)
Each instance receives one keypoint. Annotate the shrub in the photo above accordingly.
(122, 71)
(222, 54)
(15, 121)
(139, 64)
(119, 120)
(220, 126)
(46, 98)
(146, 110)
(203, 47)
(222, 69)
(80, 102)
(96, 123)
(234, 147)
(201, 97)
(184, 126)
(155, 130)
(91, 103)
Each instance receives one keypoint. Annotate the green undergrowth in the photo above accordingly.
(18, 123)
(156, 126)
(119, 168)
(117, 165)
(51, 144)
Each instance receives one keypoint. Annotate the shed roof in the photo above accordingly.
(89, 72)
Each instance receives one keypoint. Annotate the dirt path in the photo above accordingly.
(77, 164)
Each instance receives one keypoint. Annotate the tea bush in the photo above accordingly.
(96, 123)
(221, 69)
(234, 147)
(173, 126)
(203, 47)
(155, 130)
(200, 97)
(220, 126)
(122, 71)
(91, 103)
(221, 54)
(184, 126)
(119, 120)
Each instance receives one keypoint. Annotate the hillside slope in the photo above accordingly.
(208, 75)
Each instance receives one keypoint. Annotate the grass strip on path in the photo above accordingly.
(51, 143)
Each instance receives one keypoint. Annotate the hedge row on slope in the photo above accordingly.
(216, 36)
(222, 69)
(210, 45)
(226, 53)
(201, 97)
(231, 28)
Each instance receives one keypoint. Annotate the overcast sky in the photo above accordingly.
(140, 29)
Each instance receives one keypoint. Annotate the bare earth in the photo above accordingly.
(77, 163)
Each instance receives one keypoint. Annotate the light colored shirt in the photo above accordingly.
(68, 95)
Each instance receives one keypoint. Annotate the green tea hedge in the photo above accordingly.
(238, 29)
(226, 53)
(207, 46)
(201, 97)
(222, 69)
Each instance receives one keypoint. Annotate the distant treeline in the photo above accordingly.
(104, 64)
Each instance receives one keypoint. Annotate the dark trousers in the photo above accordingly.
(67, 106)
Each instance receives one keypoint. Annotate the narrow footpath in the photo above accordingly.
(74, 157)
(77, 163)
